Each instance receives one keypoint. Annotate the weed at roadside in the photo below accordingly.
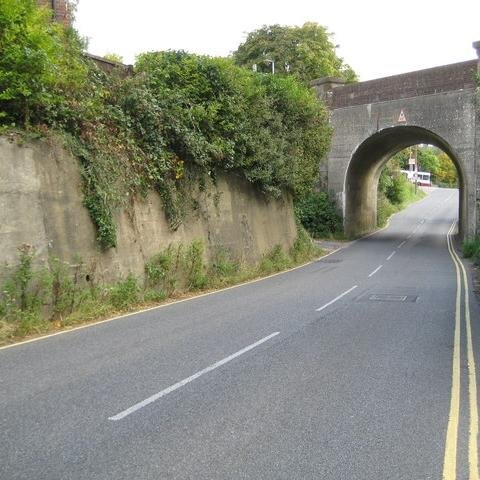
(53, 298)
(471, 249)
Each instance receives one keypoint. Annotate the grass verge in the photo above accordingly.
(386, 208)
(35, 303)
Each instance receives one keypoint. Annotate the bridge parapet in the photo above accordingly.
(447, 78)
(373, 120)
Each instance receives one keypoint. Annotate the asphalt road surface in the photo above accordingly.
(356, 366)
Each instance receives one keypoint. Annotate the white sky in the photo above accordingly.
(377, 38)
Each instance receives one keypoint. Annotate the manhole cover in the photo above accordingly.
(389, 297)
(331, 260)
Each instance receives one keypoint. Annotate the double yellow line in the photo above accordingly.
(450, 458)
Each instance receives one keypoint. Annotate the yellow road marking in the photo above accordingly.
(450, 458)
(472, 384)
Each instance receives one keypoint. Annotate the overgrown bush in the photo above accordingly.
(394, 192)
(318, 214)
(179, 113)
(125, 293)
(40, 63)
(194, 266)
(159, 270)
(303, 248)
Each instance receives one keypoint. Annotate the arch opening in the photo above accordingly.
(363, 173)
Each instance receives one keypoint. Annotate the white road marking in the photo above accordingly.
(375, 271)
(175, 302)
(391, 255)
(336, 299)
(182, 383)
(402, 244)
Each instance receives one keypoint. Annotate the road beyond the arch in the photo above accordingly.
(356, 366)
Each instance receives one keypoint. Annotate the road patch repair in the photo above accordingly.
(388, 297)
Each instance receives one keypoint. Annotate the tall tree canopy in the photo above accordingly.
(305, 52)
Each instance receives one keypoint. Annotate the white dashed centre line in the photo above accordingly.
(375, 271)
(182, 383)
(336, 298)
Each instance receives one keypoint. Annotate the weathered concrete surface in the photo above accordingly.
(41, 205)
(374, 120)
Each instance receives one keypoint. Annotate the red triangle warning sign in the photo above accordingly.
(401, 117)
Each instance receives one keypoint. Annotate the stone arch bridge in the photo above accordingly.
(375, 119)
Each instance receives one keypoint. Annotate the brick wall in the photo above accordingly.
(60, 8)
(446, 78)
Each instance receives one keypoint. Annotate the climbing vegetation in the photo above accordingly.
(177, 120)
(319, 215)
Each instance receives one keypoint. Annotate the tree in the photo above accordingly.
(305, 52)
(431, 159)
(447, 173)
(39, 60)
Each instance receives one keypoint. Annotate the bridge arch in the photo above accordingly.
(373, 120)
(368, 159)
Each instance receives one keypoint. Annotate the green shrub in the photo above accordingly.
(318, 214)
(194, 266)
(471, 248)
(40, 62)
(125, 293)
(274, 261)
(26, 291)
(155, 296)
(400, 190)
(394, 191)
(158, 269)
(303, 248)
(223, 265)
(385, 209)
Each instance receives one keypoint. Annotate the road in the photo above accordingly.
(355, 366)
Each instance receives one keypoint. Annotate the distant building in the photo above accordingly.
(61, 10)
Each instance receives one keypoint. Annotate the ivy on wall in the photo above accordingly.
(179, 113)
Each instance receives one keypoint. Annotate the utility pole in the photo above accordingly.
(412, 165)
(415, 150)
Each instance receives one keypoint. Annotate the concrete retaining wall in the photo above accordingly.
(41, 205)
